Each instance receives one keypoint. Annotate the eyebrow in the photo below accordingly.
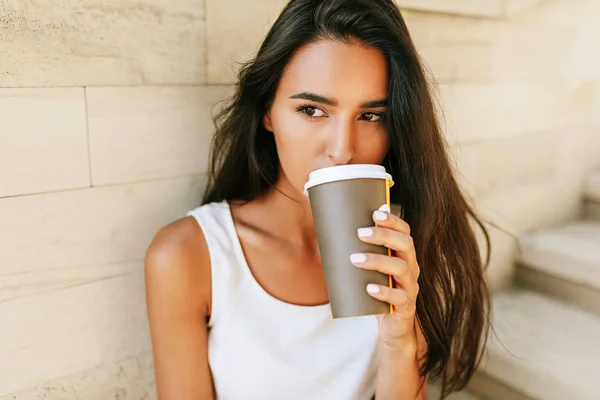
(331, 102)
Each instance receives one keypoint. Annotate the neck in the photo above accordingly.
(288, 214)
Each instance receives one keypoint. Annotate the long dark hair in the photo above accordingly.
(453, 303)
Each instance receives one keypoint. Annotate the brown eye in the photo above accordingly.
(372, 117)
(311, 112)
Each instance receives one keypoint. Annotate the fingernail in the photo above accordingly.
(385, 208)
(372, 288)
(365, 232)
(358, 258)
(380, 216)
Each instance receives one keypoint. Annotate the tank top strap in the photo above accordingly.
(226, 274)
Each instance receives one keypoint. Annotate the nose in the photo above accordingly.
(341, 146)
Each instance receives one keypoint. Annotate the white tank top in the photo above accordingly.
(262, 348)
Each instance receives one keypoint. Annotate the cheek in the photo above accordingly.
(292, 133)
(298, 145)
(288, 134)
(373, 145)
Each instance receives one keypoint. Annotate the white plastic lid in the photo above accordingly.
(346, 172)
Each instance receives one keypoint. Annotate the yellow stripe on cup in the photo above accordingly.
(388, 202)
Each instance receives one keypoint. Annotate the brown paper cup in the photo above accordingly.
(342, 200)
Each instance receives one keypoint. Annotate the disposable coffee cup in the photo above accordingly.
(342, 200)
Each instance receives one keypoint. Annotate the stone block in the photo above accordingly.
(146, 133)
(512, 6)
(520, 53)
(233, 34)
(99, 43)
(27, 283)
(533, 206)
(127, 379)
(483, 111)
(574, 245)
(61, 333)
(543, 348)
(60, 239)
(488, 8)
(43, 141)
(503, 164)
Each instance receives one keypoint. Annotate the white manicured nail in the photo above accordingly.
(365, 232)
(358, 258)
(372, 288)
(385, 208)
(380, 216)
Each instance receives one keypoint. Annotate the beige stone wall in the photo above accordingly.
(104, 125)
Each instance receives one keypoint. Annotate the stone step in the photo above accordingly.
(591, 197)
(563, 262)
(591, 211)
(591, 191)
(544, 350)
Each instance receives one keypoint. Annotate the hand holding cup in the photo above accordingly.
(397, 328)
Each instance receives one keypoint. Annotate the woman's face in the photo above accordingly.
(328, 110)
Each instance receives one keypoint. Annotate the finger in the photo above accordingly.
(384, 218)
(391, 239)
(402, 302)
(394, 266)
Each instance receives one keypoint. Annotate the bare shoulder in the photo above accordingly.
(177, 269)
(177, 266)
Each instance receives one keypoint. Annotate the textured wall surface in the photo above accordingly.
(105, 110)
(96, 42)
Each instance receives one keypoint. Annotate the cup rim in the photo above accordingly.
(346, 172)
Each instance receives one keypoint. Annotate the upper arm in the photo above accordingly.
(177, 271)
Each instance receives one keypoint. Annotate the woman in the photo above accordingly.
(237, 301)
